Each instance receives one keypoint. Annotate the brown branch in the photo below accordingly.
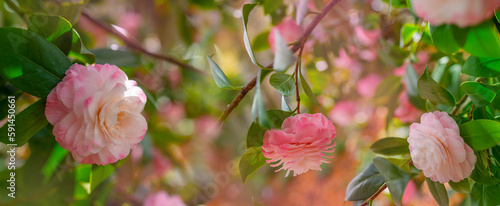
(297, 70)
(458, 105)
(132, 44)
(374, 195)
(250, 85)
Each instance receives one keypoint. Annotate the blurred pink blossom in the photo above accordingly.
(161, 198)
(301, 10)
(288, 29)
(171, 112)
(344, 61)
(366, 86)
(410, 192)
(131, 22)
(367, 37)
(343, 113)
(207, 127)
(406, 112)
(459, 12)
(423, 59)
(300, 144)
(161, 164)
(96, 113)
(370, 54)
(437, 149)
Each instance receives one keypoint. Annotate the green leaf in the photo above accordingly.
(258, 107)
(395, 178)
(461, 187)
(482, 40)
(30, 62)
(482, 67)
(438, 191)
(411, 82)
(26, 124)
(79, 52)
(255, 133)
(443, 39)
(99, 174)
(82, 181)
(284, 83)
(260, 42)
(55, 158)
(479, 94)
(407, 32)
(283, 57)
(252, 160)
(364, 185)
(389, 87)
(430, 107)
(309, 93)
(55, 29)
(220, 78)
(247, 8)
(485, 195)
(481, 134)
(481, 173)
(271, 6)
(391, 146)
(434, 92)
(120, 58)
(284, 105)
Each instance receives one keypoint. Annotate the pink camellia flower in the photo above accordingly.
(437, 149)
(367, 37)
(459, 12)
(300, 144)
(288, 29)
(366, 86)
(96, 113)
(161, 198)
(406, 112)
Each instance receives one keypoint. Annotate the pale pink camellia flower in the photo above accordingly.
(161, 198)
(406, 112)
(96, 113)
(367, 37)
(367, 85)
(288, 29)
(343, 112)
(300, 144)
(462, 13)
(437, 149)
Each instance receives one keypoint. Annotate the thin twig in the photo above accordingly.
(132, 44)
(297, 70)
(17, 10)
(250, 85)
(458, 105)
(380, 190)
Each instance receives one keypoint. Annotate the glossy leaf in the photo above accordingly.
(479, 94)
(482, 67)
(443, 39)
(395, 178)
(252, 160)
(407, 32)
(220, 78)
(284, 83)
(29, 62)
(27, 123)
(391, 146)
(481, 134)
(434, 92)
(78, 50)
(481, 40)
(55, 29)
(485, 195)
(283, 57)
(438, 191)
(461, 187)
(365, 184)
(260, 42)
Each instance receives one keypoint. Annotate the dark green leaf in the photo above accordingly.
(482, 40)
(220, 78)
(255, 133)
(461, 187)
(27, 123)
(79, 52)
(260, 42)
(283, 57)
(30, 62)
(99, 174)
(120, 58)
(55, 29)
(252, 160)
(434, 92)
(438, 191)
(56, 156)
(485, 195)
(430, 107)
(309, 93)
(364, 185)
(284, 83)
(271, 6)
(479, 94)
(391, 146)
(411, 82)
(482, 67)
(481, 134)
(443, 39)
(481, 173)
(395, 178)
